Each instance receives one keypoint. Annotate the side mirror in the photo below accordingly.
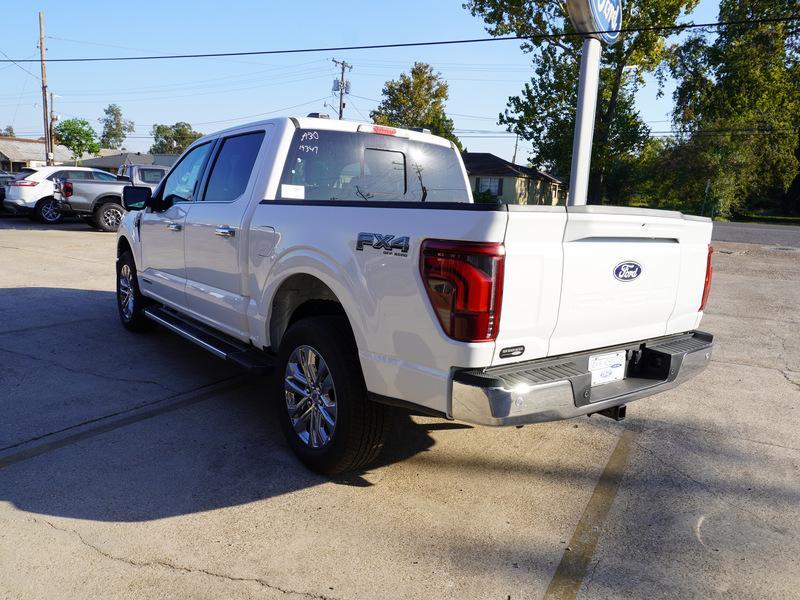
(136, 197)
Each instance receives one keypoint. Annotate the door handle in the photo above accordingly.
(174, 226)
(225, 231)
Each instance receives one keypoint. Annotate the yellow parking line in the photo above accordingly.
(574, 563)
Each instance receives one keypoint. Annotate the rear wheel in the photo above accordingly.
(130, 302)
(322, 402)
(108, 216)
(47, 211)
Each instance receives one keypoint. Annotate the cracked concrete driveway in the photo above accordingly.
(141, 467)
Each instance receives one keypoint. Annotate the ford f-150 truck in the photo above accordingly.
(351, 259)
(99, 201)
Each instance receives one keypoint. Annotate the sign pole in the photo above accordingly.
(600, 21)
(588, 82)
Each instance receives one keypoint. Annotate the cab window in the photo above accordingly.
(360, 166)
(181, 185)
(232, 167)
(151, 175)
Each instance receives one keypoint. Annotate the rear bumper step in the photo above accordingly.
(218, 344)
(558, 388)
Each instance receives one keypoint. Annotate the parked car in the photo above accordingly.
(4, 179)
(99, 201)
(31, 191)
(352, 260)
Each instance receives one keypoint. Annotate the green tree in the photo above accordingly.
(173, 139)
(544, 113)
(7, 132)
(416, 99)
(78, 136)
(115, 128)
(737, 104)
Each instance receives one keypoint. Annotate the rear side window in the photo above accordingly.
(232, 167)
(151, 175)
(338, 165)
(76, 175)
(103, 176)
(23, 173)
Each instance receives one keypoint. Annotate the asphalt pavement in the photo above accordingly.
(139, 466)
(757, 233)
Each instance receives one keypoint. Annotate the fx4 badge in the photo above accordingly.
(390, 244)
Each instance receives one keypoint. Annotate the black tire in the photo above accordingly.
(108, 216)
(47, 211)
(360, 424)
(89, 221)
(131, 315)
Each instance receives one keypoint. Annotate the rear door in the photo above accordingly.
(621, 272)
(216, 240)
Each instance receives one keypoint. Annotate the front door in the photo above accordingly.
(216, 237)
(163, 272)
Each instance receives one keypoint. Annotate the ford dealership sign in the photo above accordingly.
(597, 15)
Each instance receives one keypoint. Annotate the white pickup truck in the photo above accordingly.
(352, 261)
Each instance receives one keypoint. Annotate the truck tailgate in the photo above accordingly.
(623, 273)
(594, 276)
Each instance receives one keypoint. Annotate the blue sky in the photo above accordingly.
(216, 93)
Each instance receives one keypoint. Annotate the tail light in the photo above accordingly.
(707, 284)
(66, 189)
(23, 183)
(464, 282)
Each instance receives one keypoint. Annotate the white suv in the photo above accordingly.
(31, 191)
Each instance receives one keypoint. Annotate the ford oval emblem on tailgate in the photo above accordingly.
(627, 271)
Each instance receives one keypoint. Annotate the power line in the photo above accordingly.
(196, 123)
(16, 62)
(262, 114)
(543, 36)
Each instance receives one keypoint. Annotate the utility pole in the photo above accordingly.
(47, 145)
(51, 130)
(514, 159)
(342, 84)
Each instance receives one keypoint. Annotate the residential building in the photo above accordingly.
(510, 183)
(115, 159)
(17, 153)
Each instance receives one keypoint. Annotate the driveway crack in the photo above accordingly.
(756, 517)
(164, 564)
(783, 372)
(86, 371)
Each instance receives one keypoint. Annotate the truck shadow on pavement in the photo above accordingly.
(179, 448)
(23, 222)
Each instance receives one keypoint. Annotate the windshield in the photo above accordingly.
(338, 165)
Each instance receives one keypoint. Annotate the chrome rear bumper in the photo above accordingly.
(560, 388)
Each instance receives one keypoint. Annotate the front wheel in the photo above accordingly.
(130, 302)
(108, 216)
(47, 211)
(321, 398)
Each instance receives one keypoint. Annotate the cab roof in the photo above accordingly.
(328, 125)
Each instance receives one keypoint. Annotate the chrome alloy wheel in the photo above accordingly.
(50, 212)
(112, 217)
(310, 397)
(125, 292)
